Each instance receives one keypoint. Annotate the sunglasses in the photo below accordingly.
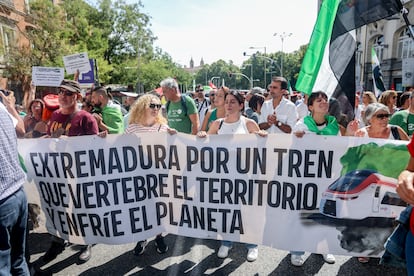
(382, 116)
(212, 94)
(153, 106)
(199, 90)
(65, 92)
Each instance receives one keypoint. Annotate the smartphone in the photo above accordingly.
(5, 93)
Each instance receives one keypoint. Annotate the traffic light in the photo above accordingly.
(230, 74)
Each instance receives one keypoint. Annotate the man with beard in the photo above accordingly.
(70, 121)
(109, 119)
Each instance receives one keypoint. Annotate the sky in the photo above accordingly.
(224, 29)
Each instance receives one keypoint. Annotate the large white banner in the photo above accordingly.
(317, 193)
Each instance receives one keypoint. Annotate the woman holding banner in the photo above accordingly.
(319, 122)
(234, 123)
(145, 116)
(376, 119)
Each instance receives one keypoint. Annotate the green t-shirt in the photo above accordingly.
(177, 119)
(404, 119)
(113, 119)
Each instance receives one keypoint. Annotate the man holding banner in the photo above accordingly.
(279, 114)
(70, 121)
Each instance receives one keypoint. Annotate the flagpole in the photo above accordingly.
(404, 13)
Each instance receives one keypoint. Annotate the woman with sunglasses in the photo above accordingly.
(376, 119)
(389, 99)
(218, 111)
(234, 123)
(145, 116)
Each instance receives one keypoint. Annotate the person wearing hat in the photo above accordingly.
(70, 121)
(130, 99)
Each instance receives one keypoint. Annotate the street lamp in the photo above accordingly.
(264, 73)
(244, 76)
(282, 38)
(212, 80)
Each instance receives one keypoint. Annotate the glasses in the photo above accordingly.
(199, 90)
(65, 92)
(382, 116)
(153, 106)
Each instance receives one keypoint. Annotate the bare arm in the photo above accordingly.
(205, 121)
(405, 187)
(195, 123)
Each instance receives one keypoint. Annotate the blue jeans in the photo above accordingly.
(13, 223)
(230, 244)
(409, 253)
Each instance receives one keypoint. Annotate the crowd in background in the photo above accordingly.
(73, 112)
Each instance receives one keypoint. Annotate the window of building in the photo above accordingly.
(405, 44)
(6, 40)
(378, 45)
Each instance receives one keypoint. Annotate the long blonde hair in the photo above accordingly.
(137, 112)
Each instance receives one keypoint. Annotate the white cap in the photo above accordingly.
(129, 94)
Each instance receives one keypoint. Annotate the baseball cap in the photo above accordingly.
(129, 94)
(70, 85)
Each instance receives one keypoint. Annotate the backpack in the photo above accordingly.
(183, 104)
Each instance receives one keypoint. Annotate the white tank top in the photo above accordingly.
(238, 127)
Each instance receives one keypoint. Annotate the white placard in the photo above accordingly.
(47, 76)
(75, 62)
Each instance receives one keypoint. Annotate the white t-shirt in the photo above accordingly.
(285, 113)
(302, 110)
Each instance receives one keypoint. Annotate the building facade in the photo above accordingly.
(394, 46)
(14, 21)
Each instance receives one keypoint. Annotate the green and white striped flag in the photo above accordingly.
(329, 62)
(378, 82)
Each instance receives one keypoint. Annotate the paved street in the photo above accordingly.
(188, 256)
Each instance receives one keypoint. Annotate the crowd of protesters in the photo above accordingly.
(273, 110)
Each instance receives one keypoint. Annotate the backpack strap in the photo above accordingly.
(221, 123)
(183, 104)
(395, 133)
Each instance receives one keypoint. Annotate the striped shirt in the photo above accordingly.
(138, 128)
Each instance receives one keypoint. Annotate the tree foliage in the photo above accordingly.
(118, 36)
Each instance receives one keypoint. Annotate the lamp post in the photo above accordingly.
(264, 73)
(244, 76)
(251, 74)
(282, 38)
(212, 80)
